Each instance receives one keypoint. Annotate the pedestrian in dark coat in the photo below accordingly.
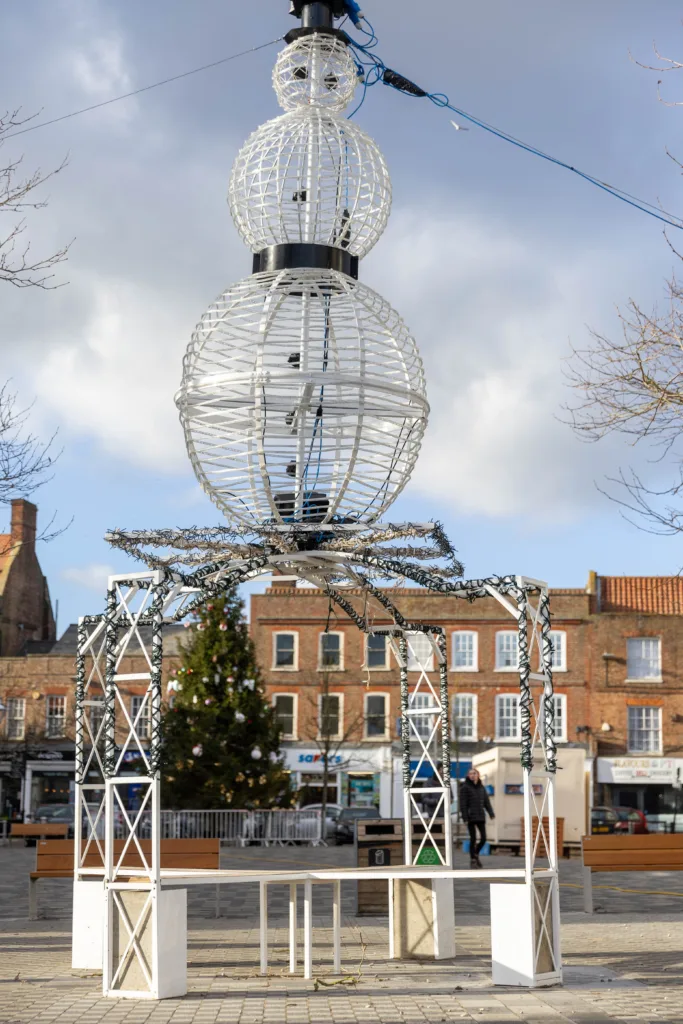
(474, 806)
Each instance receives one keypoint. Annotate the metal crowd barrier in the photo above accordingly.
(268, 828)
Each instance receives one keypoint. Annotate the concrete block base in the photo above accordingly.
(422, 919)
(88, 925)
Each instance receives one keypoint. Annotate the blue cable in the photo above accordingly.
(374, 70)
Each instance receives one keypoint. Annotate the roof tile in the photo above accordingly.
(654, 595)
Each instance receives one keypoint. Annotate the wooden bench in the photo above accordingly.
(38, 831)
(55, 859)
(628, 853)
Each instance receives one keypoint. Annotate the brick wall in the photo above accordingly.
(305, 612)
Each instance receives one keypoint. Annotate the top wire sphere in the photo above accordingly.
(316, 70)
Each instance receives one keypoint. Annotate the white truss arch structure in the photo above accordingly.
(302, 400)
(138, 606)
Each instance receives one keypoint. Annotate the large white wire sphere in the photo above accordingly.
(317, 70)
(310, 176)
(302, 400)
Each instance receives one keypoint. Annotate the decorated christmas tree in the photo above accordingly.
(221, 746)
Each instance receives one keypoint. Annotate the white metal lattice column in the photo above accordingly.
(525, 920)
(425, 723)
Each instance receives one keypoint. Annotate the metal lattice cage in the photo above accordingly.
(302, 400)
(316, 70)
(310, 176)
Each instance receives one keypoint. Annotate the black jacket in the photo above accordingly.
(474, 802)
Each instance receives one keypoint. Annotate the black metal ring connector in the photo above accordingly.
(298, 255)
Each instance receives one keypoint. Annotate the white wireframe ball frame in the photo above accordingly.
(302, 400)
(316, 70)
(310, 176)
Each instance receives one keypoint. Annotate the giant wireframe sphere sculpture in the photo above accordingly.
(303, 394)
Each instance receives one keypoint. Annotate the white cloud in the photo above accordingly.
(114, 378)
(92, 577)
(99, 68)
(492, 318)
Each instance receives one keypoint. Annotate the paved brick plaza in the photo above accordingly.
(623, 964)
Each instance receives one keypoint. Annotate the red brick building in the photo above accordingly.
(618, 674)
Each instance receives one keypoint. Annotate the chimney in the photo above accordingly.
(282, 584)
(24, 516)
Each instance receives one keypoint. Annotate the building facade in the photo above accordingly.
(37, 742)
(618, 675)
(337, 691)
(636, 673)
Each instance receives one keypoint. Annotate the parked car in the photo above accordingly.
(618, 820)
(332, 812)
(603, 820)
(55, 814)
(631, 821)
(345, 830)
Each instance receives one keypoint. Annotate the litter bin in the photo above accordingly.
(379, 844)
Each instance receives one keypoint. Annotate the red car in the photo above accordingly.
(632, 821)
(618, 820)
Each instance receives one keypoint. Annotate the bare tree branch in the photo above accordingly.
(18, 194)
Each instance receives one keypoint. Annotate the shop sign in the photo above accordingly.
(319, 759)
(50, 755)
(517, 789)
(636, 769)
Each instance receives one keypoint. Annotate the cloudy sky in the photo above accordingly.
(498, 261)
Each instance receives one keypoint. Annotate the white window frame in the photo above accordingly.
(507, 739)
(561, 699)
(562, 667)
(55, 718)
(331, 668)
(508, 668)
(644, 707)
(430, 663)
(423, 724)
(18, 703)
(377, 668)
(475, 717)
(387, 716)
(95, 726)
(286, 668)
(644, 679)
(340, 697)
(475, 650)
(146, 721)
(295, 714)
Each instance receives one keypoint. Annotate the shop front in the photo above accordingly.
(648, 784)
(356, 777)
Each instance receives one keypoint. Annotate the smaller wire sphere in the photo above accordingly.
(302, 400)
(310, 176)
(316, 70)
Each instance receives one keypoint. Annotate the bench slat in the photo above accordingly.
(632, 858)
(657, 841)
(28, 831)
(616, 868)
(57, 855)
